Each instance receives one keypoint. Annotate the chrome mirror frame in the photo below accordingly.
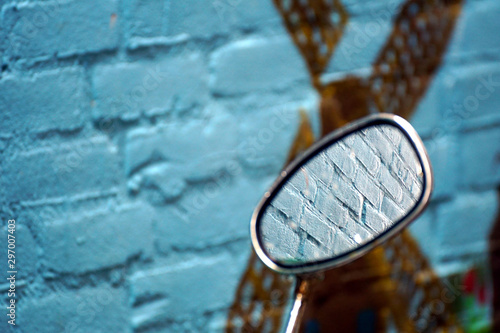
(372, 120)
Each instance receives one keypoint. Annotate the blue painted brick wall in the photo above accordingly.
(136, 138)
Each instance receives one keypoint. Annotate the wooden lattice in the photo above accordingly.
(396, 280)
(422, 291)
(406, 64)
(403, 70)
(259, 304)
(315, 27)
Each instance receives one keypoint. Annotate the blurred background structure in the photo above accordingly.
(136, 138)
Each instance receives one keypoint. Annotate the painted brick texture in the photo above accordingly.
(38, 109)
(137, 137)
(133, 154)
(42, 29)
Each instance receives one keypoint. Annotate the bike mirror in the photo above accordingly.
(350, 192)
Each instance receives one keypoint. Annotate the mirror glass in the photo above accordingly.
(343, 197)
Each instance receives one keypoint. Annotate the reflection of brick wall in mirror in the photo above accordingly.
(346, 195)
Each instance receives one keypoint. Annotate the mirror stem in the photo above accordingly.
(301, 292)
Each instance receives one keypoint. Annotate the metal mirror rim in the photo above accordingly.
(376, 119)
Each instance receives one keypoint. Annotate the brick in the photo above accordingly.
(392, 210)
(311, 251)
(408, 202)
(126, 90)
(249, 15)
(147, 18)
(443, 156)
(338, 155)
(348, 195)
(99, 309)
(428, 113)
(70, 169)
(254, 65)
(471, 37)
(266, 135)
(408, 158)
(330, 206)
(305, 183)
(390, 183)
(317, 226)
(320, 169)
(383, 9)
(402, 173)
(229, 205)
(424, 230)
(279, 239)
(98, 241)
(393, 133)
(342, 242)
(165, 181)
(368, 187)
(480, 158)
(185, 17)
(364, 153)
(464, 223)
(376, 221)
(210, 148)
(52, 100)
(416, 189)
(375, 139)
(176, 291)
(43, 29)
(474, 98)
(357, 232)
(290, 202)
(220, 17)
